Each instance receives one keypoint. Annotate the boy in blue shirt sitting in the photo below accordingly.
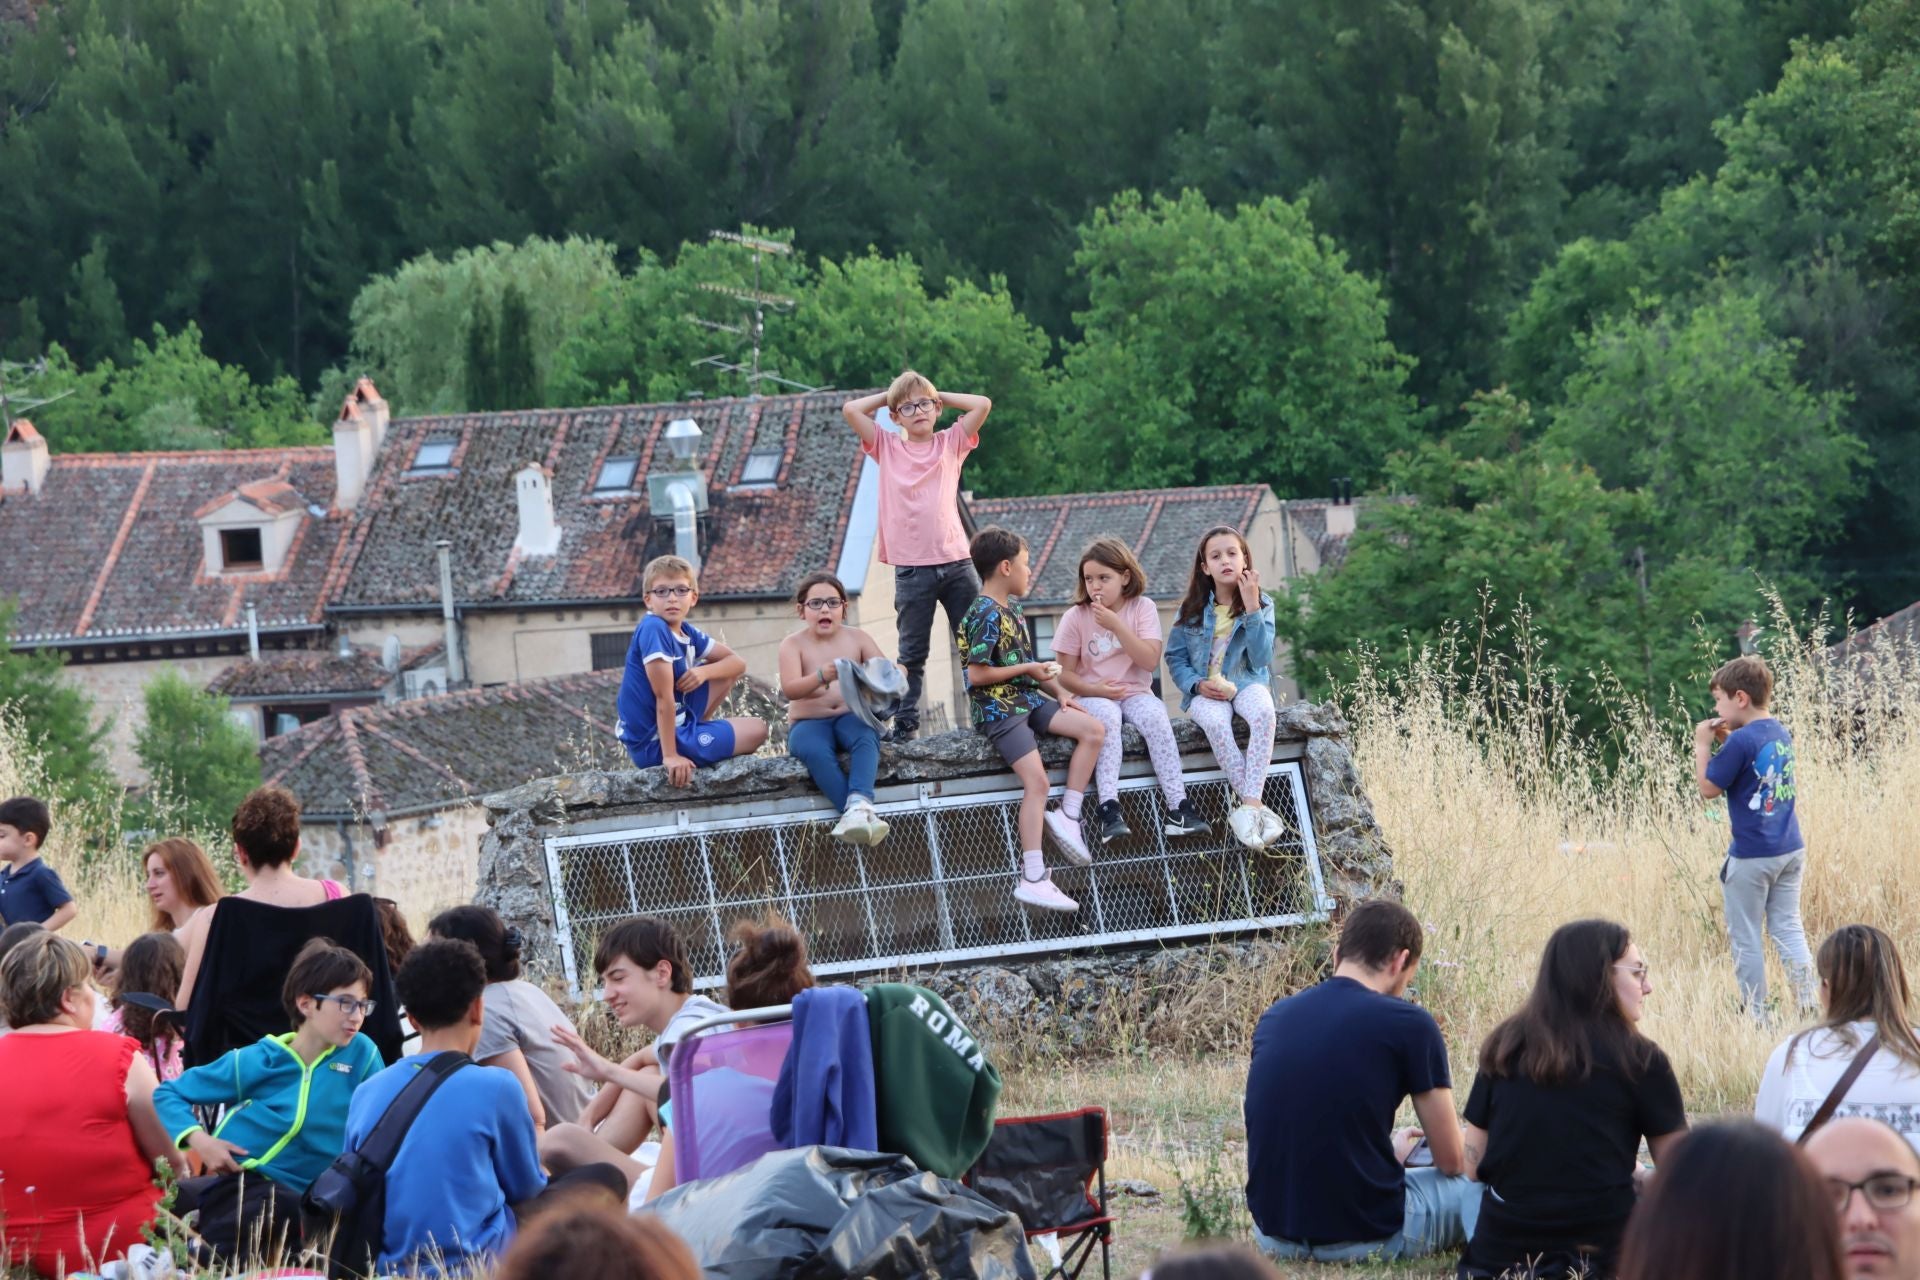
(286, 1106)
(676, 678)
(1760, 880)
(468, 1168)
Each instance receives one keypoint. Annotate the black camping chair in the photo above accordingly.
(1051, 1171)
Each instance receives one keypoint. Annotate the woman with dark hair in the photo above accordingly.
(1734, 1200)
(517, 1032)
(1863, 987)
(1567, 1088)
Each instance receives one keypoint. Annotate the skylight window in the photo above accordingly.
(434, 458)
(616, 475)
(762, 467)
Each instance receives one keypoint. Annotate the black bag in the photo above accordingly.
(346, 1207)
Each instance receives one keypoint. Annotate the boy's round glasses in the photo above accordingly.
(1882, 1190)
(349, 1005)
(820, 604)
(907, 408)
(670, 593)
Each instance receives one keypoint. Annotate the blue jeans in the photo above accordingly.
(1441, 1213)
(815, 743)
(916, 589)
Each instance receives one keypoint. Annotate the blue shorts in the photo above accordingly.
(706, 744)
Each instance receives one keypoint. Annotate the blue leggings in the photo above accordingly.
(815, 742)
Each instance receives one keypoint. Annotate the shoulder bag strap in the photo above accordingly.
(383, 1143)
(1839, 1094)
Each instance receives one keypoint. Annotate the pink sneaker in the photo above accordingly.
(1066, 834)
(1044, 894)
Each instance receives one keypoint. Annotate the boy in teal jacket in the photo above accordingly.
(286, 1099)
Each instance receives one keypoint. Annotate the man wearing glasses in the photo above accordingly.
(1872, 1172)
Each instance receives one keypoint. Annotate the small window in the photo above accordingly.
(616, 475)
(763, 467)
(1042, 628)
(240, 549)
(610, 649)
(434, 458)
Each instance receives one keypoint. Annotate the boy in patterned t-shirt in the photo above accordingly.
(1008, 692)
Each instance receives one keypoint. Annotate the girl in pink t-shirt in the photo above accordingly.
(1108, 645)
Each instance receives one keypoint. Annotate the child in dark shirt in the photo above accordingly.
(31, 892)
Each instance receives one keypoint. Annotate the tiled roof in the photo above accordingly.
(1896, 636)
(756, 541)
(433, 752)
(109, 548)
(272, 497)
(304, 673)
(23, 431)
(1161, 525)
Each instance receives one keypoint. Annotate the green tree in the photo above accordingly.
(200, 761)
(481, 376)
(515, 377)
(58, 717)
(1225, 347)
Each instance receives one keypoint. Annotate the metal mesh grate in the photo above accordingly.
(939, 889)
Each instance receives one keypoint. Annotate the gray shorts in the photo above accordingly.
(1014, 736)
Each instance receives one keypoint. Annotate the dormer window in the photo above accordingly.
(762, 467)
(434, 458)
(616, 475)
(241, 550)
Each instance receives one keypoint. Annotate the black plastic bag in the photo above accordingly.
(827, 1213)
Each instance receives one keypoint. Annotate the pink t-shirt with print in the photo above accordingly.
(919, 496)
(1100, 656)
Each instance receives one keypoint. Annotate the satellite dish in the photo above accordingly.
(390, 653)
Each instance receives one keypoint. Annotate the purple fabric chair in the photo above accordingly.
(720, 1082)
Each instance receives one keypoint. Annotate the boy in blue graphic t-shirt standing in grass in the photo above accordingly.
(1760, 880)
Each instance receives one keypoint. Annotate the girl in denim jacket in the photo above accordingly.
(1219, 653)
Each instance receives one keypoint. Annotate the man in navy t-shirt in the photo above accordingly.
(1327, 1175)
(1760, 880)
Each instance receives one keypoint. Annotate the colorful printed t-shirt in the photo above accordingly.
(919, 496)
(995, 635)
(1098, 650)
(655, 641)
(1754, 767)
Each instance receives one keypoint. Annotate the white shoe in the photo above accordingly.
(1066, 834)
(872, 824)
(1272, 827)
(1044, 894)
(860, 824)
(850, 828)
(1246, 826)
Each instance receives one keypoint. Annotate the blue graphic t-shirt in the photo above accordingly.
(1755, 768)
(655, 641)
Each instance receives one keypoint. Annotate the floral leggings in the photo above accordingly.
(1246, 770)
(1149, 715)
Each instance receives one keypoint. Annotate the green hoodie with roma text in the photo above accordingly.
(934, 1088)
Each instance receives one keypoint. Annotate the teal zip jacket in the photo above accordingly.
(290, 1116)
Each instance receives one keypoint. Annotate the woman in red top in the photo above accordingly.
(78, 1133)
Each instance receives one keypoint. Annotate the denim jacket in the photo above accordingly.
(1249, 654)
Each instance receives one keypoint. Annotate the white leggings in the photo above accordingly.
(1246, 770)
(1149, 715)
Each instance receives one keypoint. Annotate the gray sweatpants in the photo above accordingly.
(1764, 894)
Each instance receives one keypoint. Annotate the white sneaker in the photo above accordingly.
(849, 828)
(1044, 894)
(1066, 834)
(872, 824)
(1272, 827)
(1246, 826)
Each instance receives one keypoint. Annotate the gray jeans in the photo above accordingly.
(1764, 893)
(917, 588)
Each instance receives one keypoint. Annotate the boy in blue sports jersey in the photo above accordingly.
(677, 676)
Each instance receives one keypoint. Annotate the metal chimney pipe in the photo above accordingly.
(253, 633)
(456, 665)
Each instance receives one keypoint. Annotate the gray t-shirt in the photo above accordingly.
(696, 1009)
(521, 1016)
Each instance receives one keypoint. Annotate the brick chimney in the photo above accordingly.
(358, 433)
(23, 458)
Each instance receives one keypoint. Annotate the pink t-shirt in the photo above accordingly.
(919, 496)
(1098, 649)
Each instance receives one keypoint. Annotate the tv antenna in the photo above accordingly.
(13, 406)
(758, 303)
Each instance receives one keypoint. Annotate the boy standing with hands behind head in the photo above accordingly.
(1760, 881)
(1008, 691)
(676, 678)
(920, 531)
(31, 892)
